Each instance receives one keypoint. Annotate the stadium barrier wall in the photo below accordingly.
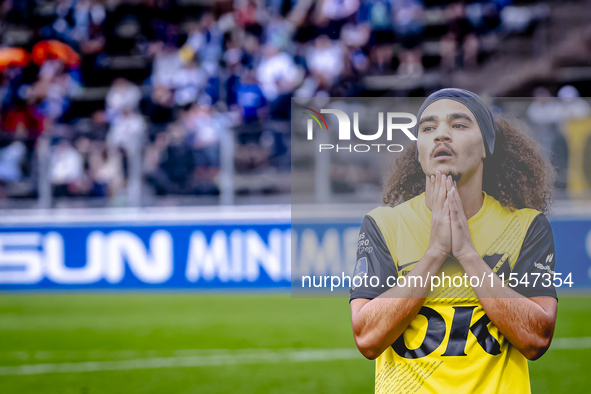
(211, 248)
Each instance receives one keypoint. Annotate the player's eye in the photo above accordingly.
(427, 128)
(459, 126)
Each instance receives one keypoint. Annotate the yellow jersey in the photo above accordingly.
(452, 346)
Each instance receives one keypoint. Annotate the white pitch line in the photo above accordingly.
(226, 357)
(255, 357)
(571, 343)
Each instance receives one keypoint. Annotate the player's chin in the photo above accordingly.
(444, 168)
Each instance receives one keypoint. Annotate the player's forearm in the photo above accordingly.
(382, 320)
(522, 321)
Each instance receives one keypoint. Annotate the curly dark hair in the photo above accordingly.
(517, 175)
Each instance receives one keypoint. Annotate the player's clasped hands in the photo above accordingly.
(440, 240)
(450, 232)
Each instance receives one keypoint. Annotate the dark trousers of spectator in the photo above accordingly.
(164, 185)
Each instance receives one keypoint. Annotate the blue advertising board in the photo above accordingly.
(572, 240)
(147, 256)
(206, 256)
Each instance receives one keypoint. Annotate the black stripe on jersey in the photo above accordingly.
(378, 259)
(536, 256)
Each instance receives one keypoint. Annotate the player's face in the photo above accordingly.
(449, 140)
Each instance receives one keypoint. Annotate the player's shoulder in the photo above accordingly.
(386, 210)
(387, 215)
(382, 212)
(528, 217)
(536, 222)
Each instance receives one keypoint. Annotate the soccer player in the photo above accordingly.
(466, 214)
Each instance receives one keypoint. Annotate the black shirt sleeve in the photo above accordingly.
(536, 257)
(373, 259)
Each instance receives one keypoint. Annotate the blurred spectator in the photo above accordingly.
(275, 66)
(325, 61)
(545, 109)
(278, 33)
(205, 40)
(66, 168)
(484, 15)
(409, 25)
(85, 186)
(379, 18)
(460, 37)
(167, 62)
(11, 92)
(204, 126)
(378, 14)
(50, 92)
(334, 14)
(547, 113)
(574, 107)
(127, 130)
(280, 108)
(98, 126)
(232, 78)
(75, 19)
(251, 48)
(28, 116)
(355, 37)
(176, 163)
(106, 169)
(91, 16)
(154, 152)
(187, 83)
(245, 13)
(123, 95)
(159, 107)
(12, 159)
(250, 98)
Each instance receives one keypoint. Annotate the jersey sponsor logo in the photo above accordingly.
(363, 244)
(364, 249)
(543, 267)
(456, 344)
(549, 258)
(547, 268)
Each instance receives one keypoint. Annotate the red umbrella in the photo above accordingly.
(54, 49)
(16, 57)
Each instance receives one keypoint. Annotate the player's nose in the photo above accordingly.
(442, 134)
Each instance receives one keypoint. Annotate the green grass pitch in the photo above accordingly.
(76, 328)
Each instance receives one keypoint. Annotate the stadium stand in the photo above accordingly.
(129, 102)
